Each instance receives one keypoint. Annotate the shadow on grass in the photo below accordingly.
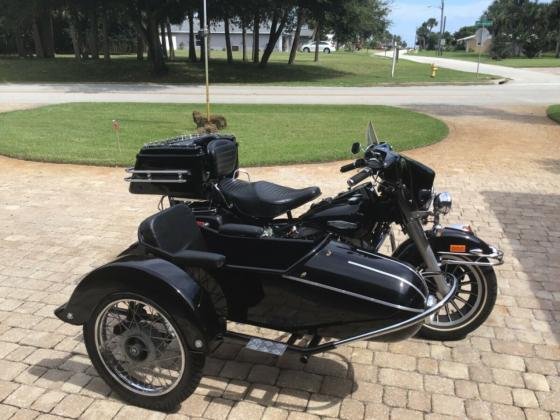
(530, 223)
(130, 70)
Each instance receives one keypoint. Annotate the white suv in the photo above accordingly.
(324, 46)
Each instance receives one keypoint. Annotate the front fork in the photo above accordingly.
(418, 236)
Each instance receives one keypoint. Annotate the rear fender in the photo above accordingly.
(161, 281)
(450, 236)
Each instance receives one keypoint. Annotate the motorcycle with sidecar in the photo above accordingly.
(220, 253)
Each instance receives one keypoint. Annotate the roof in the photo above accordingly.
(218, 28)
(466, 38)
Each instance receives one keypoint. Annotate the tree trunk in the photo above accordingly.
(557, 54)
(276, 29)
(48, 34)
(297, 34)
(201, 25)
(162, 40)
(93, 31)
(105, 29)
(228, 40)
(20, 45)
(256, 38)
(170, 40)
(244, 40)
(75, 35)
(39, 52)
(192, 44)
(139, 46)
(156, 55)
(317, 40)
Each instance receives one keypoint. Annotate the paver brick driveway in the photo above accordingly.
(503, 167)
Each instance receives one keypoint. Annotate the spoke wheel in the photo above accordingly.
(139, 347)
(468, 308)
(140, 350)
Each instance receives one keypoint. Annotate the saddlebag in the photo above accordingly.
(184, 167)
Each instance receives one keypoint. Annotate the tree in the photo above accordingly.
(553, 15)
(280, 16)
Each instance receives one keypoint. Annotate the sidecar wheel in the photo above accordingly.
(141, 351)
(468, 309)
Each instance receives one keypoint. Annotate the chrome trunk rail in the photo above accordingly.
(495, 257)
(158, 176)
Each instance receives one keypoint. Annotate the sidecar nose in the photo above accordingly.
(62, 313)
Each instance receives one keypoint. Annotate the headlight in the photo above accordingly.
(442, 203)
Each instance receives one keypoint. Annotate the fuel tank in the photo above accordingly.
(352, 213)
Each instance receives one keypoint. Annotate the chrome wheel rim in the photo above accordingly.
(139, 347)
(466, 304)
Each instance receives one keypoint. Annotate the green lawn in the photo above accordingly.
(554, 113)
(268, 134)
(337, 69)
(547, 60)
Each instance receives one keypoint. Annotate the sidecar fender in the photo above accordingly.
(449, 236)
(163, 282)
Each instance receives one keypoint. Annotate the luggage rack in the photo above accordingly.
(158, 175)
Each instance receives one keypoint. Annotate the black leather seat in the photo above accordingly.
(265, 200)
(173, 234)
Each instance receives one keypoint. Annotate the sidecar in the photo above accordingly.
(151, 316)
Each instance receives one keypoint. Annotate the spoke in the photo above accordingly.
(457, 308)
(447, 312)
(463, 300)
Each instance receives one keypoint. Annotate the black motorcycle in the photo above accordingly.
(152, 315)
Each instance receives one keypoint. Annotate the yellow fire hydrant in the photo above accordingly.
(434, 70)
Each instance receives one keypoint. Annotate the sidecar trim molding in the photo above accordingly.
(375, 270)
(356, 295)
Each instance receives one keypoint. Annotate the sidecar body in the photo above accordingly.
(319, 288)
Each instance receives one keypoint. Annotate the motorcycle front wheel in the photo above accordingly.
(468, 308)
(140, 350)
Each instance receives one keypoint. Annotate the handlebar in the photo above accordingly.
(360, 163)
(359, 177)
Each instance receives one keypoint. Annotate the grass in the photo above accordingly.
(337, 69)
(553, 113)
(546, 60)
(268, 134)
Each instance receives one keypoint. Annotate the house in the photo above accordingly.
(480, 42)
(217, 39)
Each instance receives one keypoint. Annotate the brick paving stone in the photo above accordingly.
(394, 397)
(367, 392)
(477, 409)
(6, 388)
(101, 409)
(236, 390)
(7, 411)
(263, 374)
(47, 401)
(194, 406)
(300, 380)
(445, 404)
(507, 412)
(218, 409)
(338, 387)
(351, 409)
(246, 411)
(274, 413)
(506, 377)
(420, 401)
(525, 398)
(453, 370)
(395, 361)
(439, 385)
(466, 389)
(24, 396)
(72, 406)
(323, 405)
(302, 416)
(405, 414)
(25, 414)
(235, 370)
(392, 377)
(536, 381)
(536, 414)
(130, 412)
(53, 378)
(262, 394)
(495, 393)
(292, 399)
(9, 370)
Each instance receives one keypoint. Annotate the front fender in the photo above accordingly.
(450, 236)
(160, 280)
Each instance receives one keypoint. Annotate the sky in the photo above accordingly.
(407, 15)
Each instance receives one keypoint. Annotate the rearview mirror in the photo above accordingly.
(355, 148)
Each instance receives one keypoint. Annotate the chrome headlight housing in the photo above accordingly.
(443, 203)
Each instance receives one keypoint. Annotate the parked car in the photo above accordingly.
(324, 46)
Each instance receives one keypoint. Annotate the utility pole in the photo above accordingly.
(441, 27)
(205, 17)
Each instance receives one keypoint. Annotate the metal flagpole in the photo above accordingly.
(206, 62)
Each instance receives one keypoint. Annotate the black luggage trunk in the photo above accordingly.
(179, 167)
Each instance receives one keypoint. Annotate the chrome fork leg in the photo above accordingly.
(416, 232)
